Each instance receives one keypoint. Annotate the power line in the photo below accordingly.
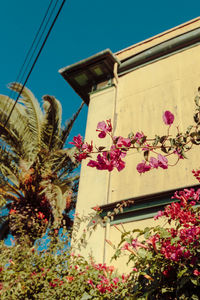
(29, 51)
(39, 38)
(33, 65)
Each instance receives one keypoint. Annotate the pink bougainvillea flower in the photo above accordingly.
(104, 127)
(116, 280)
(143, 167)
(166, 272)
(153, 162)
(135, 269)
(196, 272)
(77, 141)
(90, 282)
(87, 147)
(178, 152)
(123, 142)
(52, 284)
(162, 161)
(138, 137)
(159, 214)
(111, 269)
(168, 117)
(109, 160)
(147, 147)
(81, 156)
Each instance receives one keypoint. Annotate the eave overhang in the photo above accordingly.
(161, 50)
(82, 76)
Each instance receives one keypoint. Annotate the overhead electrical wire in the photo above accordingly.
(38, 42)
(19, 76)
(39, 52)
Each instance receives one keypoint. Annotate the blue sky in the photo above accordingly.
(83, 29)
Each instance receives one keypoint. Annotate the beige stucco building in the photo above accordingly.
(133, 88)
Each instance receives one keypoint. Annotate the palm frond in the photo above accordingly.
(33, 111)
(64, 159)
(51, 123)
(66, 131)
(8, 196)
(18, 114)
(11, 139)
(9, 165)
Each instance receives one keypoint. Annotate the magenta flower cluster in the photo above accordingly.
(175, 246)
(113, 158)
(161, 161)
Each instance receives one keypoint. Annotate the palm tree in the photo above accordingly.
(37, 181)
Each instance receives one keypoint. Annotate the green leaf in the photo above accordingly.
(156, 141)
(195, 297)
(172, 142)
(86, 296)
(194, 281)
(163, 138)
(146, 155)
(196, 118)
(101, 148)
(196, 100)
(182, 272)
(131, 135)
(189, 129)
(163, 149)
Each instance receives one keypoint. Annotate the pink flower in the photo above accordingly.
(77, 141)
(162, 161)
(178, 152)
(109, 160)
(104, 128)
(159, 214)
(111, 269)
(168, 117)
(116, 280)
(138, 137)
(123, 142)
(87, 147)
(153, 162)
(126, 246)
(152, 241)
(143, 167)
(81, 156)
(52, 284)
(90, 282)
(196, 272)
(135, 269)
(166, 272)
